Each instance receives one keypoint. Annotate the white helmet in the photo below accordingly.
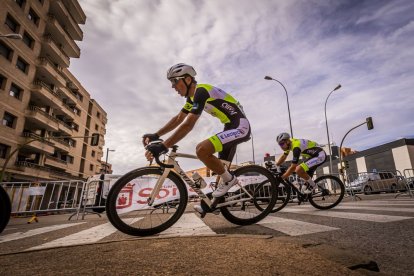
(180, 70)
(282, 136)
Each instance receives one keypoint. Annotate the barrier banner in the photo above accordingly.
(135, 194)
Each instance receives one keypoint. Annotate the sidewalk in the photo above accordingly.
(209, 255)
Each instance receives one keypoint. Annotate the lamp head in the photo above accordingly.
(268, 78)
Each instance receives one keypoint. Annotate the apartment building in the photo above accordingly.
(41, 99)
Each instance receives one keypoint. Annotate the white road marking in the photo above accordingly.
(380, 203)
(38, 231)
(90, 235)
(294, 227)
(373, 208)
(188, 225)
(344, 215)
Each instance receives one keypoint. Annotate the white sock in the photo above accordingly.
(310, 181)
(226, 176)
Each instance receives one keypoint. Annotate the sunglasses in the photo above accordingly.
(175, 80)
(282, 143)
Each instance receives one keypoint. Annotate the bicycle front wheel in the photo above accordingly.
(127, 203)
(329, 192)
(283, 195)
(254, 197)
(5, 209)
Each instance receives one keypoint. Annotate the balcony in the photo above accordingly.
(32, 169)
(39, 119)
(55, 51)
(65, 128)
(69, 47)
(55, 162)
(67, 93)
(43, 93)
(48, 70)
(66, 19)
(38, 144)
(75, 10)
(61, 144)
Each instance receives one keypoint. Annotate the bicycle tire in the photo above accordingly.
(141, 221)
(5, 209)
(327, 188)
(283, 196)
(236, 213)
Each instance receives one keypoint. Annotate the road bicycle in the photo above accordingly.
(149, 200)
(328, 193)
(5, 209)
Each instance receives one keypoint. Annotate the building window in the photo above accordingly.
(75, 127)
(98, 114)
(70, 159)
(28, 40)
(96, 127)
(93, 153)
(33, 17)
(12, 24)
(2, 82)
(15, 91)
(91, 167)
(22, 65)
(4, 149)
(9, 120)
(20, 3)
(5, 51)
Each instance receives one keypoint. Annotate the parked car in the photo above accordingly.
(376, 182)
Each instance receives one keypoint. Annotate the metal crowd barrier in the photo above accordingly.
(32, 198)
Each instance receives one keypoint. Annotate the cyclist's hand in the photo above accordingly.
(149, 137)
(155, 150)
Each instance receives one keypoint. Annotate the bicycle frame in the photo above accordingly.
(171, 164)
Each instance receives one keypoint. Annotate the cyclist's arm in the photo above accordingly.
(172, 124)
(281, 159)
(296, 155)
(182, 130)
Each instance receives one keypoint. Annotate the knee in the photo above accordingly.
(201, 151)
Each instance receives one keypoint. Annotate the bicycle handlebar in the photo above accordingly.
(163, 165)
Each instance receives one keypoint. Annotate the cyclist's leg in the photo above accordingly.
(306, 169)
(223, 143)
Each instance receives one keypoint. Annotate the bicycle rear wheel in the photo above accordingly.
(254, 197)
(329, 192)
(5, 209)
(127, 203)
(283, 195)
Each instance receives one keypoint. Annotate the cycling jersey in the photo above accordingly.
(228, 110)
(315, 155)
(304, 147)
(214, 101)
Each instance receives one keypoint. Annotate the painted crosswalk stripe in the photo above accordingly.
(33, 232)
(380, 203)
(188, 225)
(294, 227)
(373, 208)
(90, 235)
(345, 215)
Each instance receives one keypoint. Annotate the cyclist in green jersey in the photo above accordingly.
(214, 101)
(310, 150)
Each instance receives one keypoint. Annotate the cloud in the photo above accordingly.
(310, 46)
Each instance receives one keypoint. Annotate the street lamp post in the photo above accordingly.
(287, 101)
(327, 131)
(106, 159)
(11, 36)
(254, 161)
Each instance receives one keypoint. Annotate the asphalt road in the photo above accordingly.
(376, 230)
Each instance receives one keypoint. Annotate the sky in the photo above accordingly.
(310, 46)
